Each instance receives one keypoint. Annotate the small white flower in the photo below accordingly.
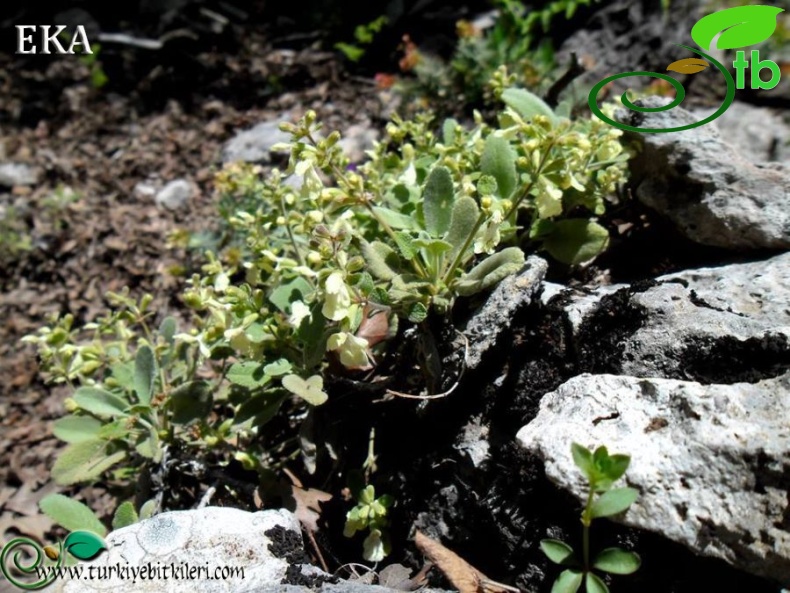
(353, 351)
(490, 239)
(298, 312)
(337, 299)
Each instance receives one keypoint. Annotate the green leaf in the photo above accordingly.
(277, 368)
(583, 459)
(123, 373)
(382, 260)
(261, 407)
(417, 313)
(499, 161)
(191, 401)
(405, 243)
(575, 241)
(144, 374)
(100, 402)
(148, 446)
(310, 390)
(614, 502)
(75, 429)
(617, 561)
(148, 508)
(84, 545)
(448, 131)
(558, 551)
(526, 104)
(462, 224)
(124, 516)
(71, 514)
(615, 466)
(438, 201)
(594, 584)
(395, 219)
(285, 294)
(491, 271)
(84, 461)
(168, 329)
(249, 374)
(569, 581)
(740, 26)
(352, 52)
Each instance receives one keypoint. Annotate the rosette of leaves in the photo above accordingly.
(602, 470)
(370, 514)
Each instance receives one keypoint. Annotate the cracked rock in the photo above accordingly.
(711, 462)
(703, 184)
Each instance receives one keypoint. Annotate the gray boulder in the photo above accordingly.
(705, 186)
(710, 461)
(255, 144)
(174, 195)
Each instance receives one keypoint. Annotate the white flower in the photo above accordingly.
(353, 351)
(337, 299)
(490, 239)
(298, 312)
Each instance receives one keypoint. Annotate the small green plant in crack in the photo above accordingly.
(370, 513)
(602, 470)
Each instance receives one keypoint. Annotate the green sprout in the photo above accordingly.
(602, 471)
(370, 513)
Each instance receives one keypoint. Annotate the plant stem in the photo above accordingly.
(586, 522)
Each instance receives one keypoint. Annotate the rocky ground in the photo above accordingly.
(674, 347)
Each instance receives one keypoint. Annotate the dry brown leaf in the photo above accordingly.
(306, 506)
(464, 577)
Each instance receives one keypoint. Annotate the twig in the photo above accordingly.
(207, 497)
(446, 393)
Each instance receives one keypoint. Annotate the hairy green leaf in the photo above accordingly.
(84, 461)
(499, 161)
(526, 104)
(462, 224)
(614, 502)
(75, 429)
(382, 260)
(417, 313)
(191, 401)
(438, 201)
(395, 219)
(168, 329)
(405, 243)
(100, 402)
(448, 131)
(617, 561)
(249, 374)
(124, 516)
(491, 271)
(575, 241)
(144, 374)
(285, 294)
(71, 514)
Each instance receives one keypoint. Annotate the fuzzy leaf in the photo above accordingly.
(84, 545)
(499, 161)
(149, 447)
(569, 581)
(144, 374)
(75, 429)
(617, 561)
(558, 551)
(71, 514)
(84, 461)
(614, 502)
(740, 26)
(100, 402)
(438, 201)
(310, 390)
(417, 313)
(448, 131)
(277, 368)
(249, 374)
(148, 508)
(575, 241)
(491, 271)
(526, 104)
(462, 224)
(168, 328)
(405, 243)
(395, 219)
(262, 407)
(124, 516)
(382, 260)
(191, 401)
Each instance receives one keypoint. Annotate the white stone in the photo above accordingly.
(13, 174)
(175, 194)
(711, 462)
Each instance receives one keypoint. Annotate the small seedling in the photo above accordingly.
(602, 471)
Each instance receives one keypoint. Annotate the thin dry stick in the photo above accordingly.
(446, 393)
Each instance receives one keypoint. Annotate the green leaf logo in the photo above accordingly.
(84, 545)
(739, 27)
